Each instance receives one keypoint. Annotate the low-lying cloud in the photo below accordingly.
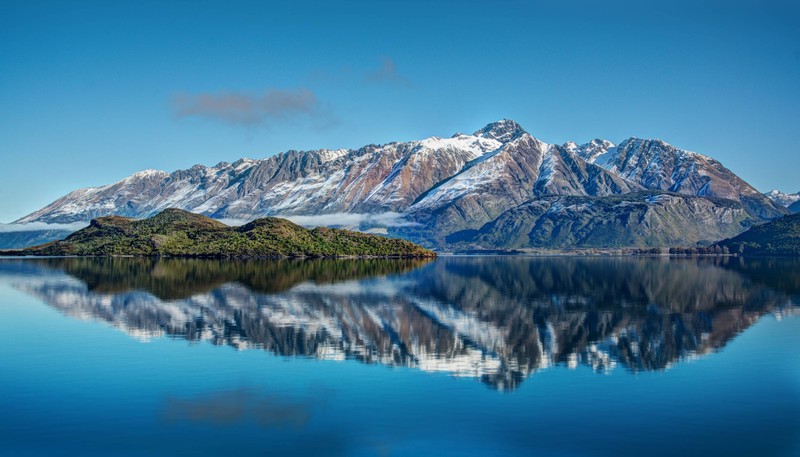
(275, 105)
(352, 220)
(387, 219)
(37, 226)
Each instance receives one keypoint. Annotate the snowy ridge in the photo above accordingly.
(591, 151)
(782, 198)
(442, 185)
(373, 178)
(548, 169)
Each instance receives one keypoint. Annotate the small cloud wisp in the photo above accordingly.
(37, 226)
(237, 108)
(351, 220)
(387, 73)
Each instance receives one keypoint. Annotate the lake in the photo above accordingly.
(558, 356)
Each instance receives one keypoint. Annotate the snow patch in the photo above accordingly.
(329, 155)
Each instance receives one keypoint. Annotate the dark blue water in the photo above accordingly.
(461, 356)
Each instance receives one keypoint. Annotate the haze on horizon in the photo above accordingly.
(91, 92)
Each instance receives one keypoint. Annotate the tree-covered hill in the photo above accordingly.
(179, 233)
(780, 237)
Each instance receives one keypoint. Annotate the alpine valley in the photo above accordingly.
(498, 188)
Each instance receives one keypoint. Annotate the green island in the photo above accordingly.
(179, 233)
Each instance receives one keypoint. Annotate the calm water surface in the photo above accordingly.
(458, 356)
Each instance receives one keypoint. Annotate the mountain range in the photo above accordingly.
(499, 187)
(790, 201)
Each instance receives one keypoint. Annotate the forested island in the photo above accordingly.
(179, 233)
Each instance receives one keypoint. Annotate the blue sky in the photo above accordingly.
(91, 92)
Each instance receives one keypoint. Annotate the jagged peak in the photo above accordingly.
(776, 192)
(593, 144)
(648, 143)
(783, 198)
(329, 155)
(150, 172)
(242, 163)
(504, 130)
(590, 151)
(600, 142)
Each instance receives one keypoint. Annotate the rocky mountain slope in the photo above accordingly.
(25, 238)
(174, 232)
(440, 189)
(656, 165)
(634, 219)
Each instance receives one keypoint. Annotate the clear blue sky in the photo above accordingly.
(91, 92)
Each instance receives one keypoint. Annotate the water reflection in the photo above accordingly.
(497, 319)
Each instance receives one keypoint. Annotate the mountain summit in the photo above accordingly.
(504, 130)
(790, 201)
(499, 187)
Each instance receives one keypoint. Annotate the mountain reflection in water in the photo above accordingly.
(497, 319)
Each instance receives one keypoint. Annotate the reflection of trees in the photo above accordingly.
(779, 274)
(683, 285)
(497, 319)
(177, 278)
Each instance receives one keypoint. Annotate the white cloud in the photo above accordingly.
(355, 220)
(387, 219)
(233, 222)
(75, 226)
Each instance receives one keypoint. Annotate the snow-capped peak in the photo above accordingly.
(504, 130)
(645, 143)
(783, 198)
(590, 151)
(148, 174)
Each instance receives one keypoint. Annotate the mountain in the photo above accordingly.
(370, 179)
(174, 232)
(633, 219)
(656, 165)
(779, 237)
(523, 169)
(790, 201)
(439, 189)
(26, 238)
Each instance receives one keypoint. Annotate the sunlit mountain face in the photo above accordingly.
(496, 319)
